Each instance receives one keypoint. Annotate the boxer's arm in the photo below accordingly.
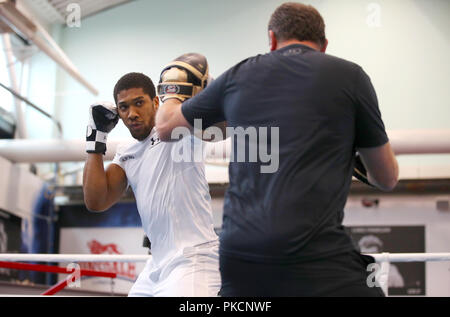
(169, 116)
(381, 165)
(101, 188)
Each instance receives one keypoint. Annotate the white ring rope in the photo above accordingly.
(411, 257)
(17, 257)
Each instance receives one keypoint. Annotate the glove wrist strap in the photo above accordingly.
(177, 90)
(96, 141)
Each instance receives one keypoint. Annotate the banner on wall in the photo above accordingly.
(404, 278)
(115, 231)
(105, 241)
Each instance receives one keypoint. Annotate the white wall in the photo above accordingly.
(19, 189)
(145, 35)
(402, 44)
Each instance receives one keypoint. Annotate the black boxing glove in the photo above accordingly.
(184, 77)
(103, 118)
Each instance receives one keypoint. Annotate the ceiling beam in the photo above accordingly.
(30, 30)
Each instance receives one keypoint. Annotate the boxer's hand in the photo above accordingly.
(183, 78)
(103, 118)
(360, 171)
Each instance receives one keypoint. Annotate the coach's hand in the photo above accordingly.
(183, 78)
(360, 171)
(103, 118)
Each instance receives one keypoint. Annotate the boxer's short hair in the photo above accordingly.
(135, 80)
(298, 21)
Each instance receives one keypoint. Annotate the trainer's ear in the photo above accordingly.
(273, 43)
(324, 47)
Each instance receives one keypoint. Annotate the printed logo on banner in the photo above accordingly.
(123, 270)
(111, 240)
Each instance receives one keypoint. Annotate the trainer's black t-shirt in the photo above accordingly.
(324, 107)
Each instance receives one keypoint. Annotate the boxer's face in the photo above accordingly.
(137, 111)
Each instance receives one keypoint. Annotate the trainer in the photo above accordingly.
(282, 232)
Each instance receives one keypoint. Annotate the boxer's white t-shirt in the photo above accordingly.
(172, 194)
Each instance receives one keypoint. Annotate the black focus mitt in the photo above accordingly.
(360, 172)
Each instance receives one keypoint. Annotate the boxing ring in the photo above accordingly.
(38, 151)
(15, 261)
